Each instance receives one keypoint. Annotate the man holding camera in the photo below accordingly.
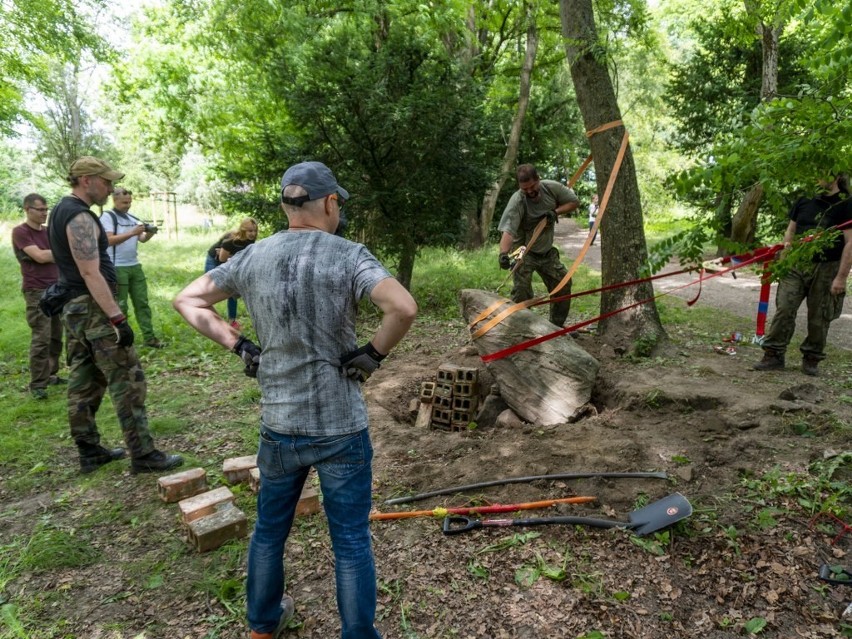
(124, 232)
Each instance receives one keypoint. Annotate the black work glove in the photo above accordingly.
(552, 217)
(505, 263)
(249, 352)
(123, 332)
(360, 363)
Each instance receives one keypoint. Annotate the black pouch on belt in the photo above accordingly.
(54, 299)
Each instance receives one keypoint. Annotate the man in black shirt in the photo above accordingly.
(99, 339)
(823, 284)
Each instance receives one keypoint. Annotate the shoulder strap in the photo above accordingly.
(115, 230)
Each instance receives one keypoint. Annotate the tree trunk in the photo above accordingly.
(406, 265)
(489, 202)
(769, 78)
(744, 224)
(724, 220)
(548, 383)
(745, 220)
(623, 247)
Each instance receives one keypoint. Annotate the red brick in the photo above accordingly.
(212, 531)
(237, 469)
(254, 479)
(308, 501)
(205, 504)
(187, 483)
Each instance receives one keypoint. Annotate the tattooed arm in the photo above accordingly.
(82, 234)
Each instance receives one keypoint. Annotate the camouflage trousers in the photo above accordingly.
(551, 271)
(98, 363)
(797, 286)
(46, 342)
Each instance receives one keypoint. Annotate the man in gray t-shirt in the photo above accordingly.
(534, 201)
(302, 288)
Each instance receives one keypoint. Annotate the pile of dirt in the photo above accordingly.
(708, 421)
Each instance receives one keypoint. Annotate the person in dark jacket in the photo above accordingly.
(227, 246)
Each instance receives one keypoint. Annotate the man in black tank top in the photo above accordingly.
(822, 283)
(99, 339)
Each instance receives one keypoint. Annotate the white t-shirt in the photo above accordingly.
(593, 212)
(126, 253)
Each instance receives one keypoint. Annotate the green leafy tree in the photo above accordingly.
(35, 36)
(802, 133)
(399, 121)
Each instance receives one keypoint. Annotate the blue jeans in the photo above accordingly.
(209, 265)
(344, 466)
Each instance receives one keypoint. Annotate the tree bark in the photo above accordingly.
(623, 247)
(724, 220)
(489, 202)
(548, 383)
(405, 271)
(745, 220)
(744, 224)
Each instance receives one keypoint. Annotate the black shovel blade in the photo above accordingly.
(660, 514)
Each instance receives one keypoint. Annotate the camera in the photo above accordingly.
(150, 228)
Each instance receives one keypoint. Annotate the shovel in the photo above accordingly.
(651, 518)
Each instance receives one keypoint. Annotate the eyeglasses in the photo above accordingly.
(38, 209)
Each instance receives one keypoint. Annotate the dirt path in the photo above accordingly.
(736, 296)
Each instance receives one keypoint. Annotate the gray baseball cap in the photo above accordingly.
(316, 178)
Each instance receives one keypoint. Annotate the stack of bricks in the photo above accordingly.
(456, 397)
(210, 517)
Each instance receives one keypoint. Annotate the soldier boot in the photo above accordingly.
(93, 456)
(772, 361)
(154, 461)
(810, 366)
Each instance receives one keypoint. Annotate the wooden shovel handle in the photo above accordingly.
(497, 508)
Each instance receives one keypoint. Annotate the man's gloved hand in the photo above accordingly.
(505, 263)
(123, 332)
(360, 363)
(249, 352)
(552, 217)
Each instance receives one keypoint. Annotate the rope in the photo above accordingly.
(758, 256)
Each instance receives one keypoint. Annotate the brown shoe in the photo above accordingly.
(772, 361)
(288, 607)
(810, 366)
